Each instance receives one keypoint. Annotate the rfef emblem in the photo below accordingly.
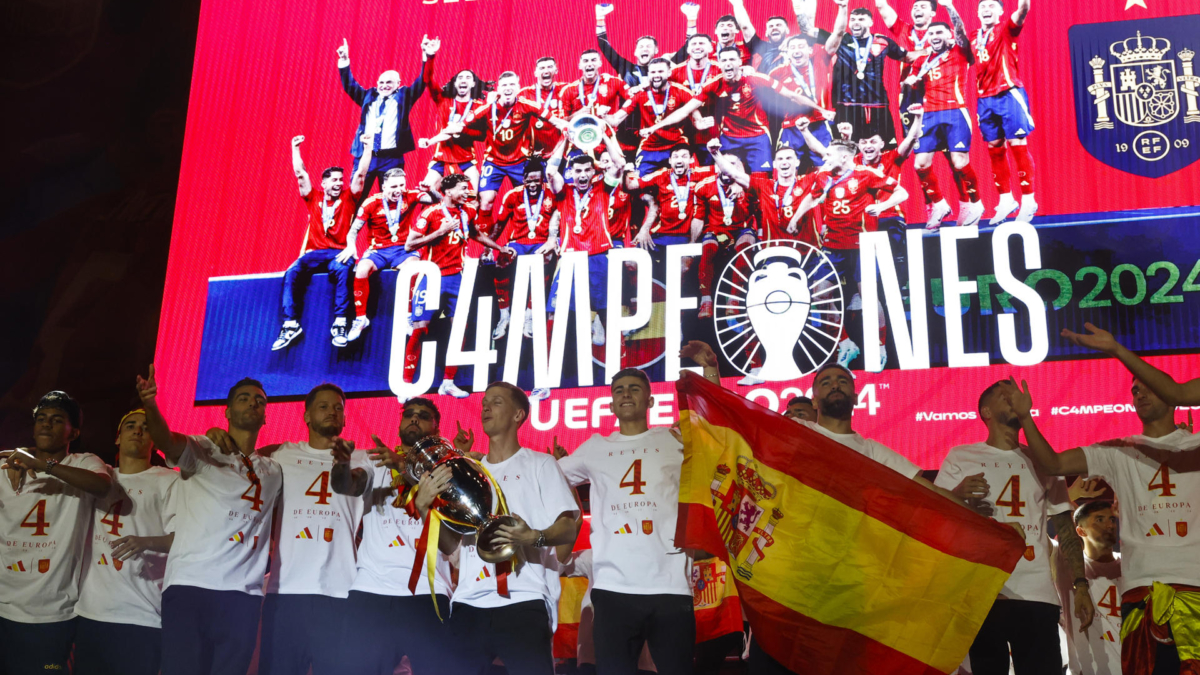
(44, 565)
(647, 527)
(1137, 97)
(1181, 528)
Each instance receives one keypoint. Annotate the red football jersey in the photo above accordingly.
(585, 229)
(651, 106)
(545, 134)
(945, 77)
(911, 39)
(518, 208)
(506, 130)
(744, 116)
(814, 80)
(779, 203)
(724, 210)
(694, 80)
(446, 251)
(890, 163)
(387, 223)
(604, 95)
(328, 222)
(675, 196)
(743, 50)
(847, 197)
(620, 209)
(996, 58)
(450, 110)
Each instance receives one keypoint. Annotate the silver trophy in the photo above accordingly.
(467, 501)
(586, 132)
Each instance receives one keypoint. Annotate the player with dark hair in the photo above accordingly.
(999, 472)
(859, 94)
(744, 126)
(673, 192)
(1003, 107)
(778, 197)
(224, 505)
(120, 597)
(912, 38)
(770, 50)
(387, 215)
(386, 108)
(946, 125)
(527, 209)
(385, 620)
(330, 212)
(723, 221)
(808, 70)
(1155, 476)
(641, 590)
(547, 94)
(441, 233)
(694, 73)
(454, 152)
(1096, 651)
(848, 194)
(47, 493)
(511, 613)
(800, 408)
(594, 92)
(657, 99)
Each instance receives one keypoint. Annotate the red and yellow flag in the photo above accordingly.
(842, 565)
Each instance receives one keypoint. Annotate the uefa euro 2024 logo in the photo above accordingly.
(779, 310)
(1133, 80)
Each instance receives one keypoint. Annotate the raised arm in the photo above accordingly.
(743, 19)
(960, 31)
(622, 65)
(810, 140)
(1053, 463)
(806, 16)
(1022, 11)
(886, 13)
(353, 89)
(914, 134)
(342, 478)
(302, 179)
(726, 167)
(429, 48)
(1070, 546)
(554, 178)
(171, 443)
(690, 10)
(839, 27)
(359, 179)
(1171, 392)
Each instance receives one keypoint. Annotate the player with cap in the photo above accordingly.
(120, 599)
(46, 498)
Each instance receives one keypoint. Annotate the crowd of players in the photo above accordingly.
(137, 567)
(735, 138)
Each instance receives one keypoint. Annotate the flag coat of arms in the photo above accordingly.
(842, 565)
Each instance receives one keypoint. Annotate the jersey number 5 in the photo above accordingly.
(112, 518)
(322, 494)
(1014, 502)
(1163, 476)
(39, 525)
(636, 483)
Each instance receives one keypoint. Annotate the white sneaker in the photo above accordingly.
(360, 324)
(597, 331)
(847, 352)
(969, 213)
(539, 394)
(1004, 208)
(882, 360)
(752, 378)
(1029, 207)
(527, 331)
(502, 326)
(937, 213)
(448, 388)
(338, 330)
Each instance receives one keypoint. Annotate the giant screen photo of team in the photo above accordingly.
(738, 137)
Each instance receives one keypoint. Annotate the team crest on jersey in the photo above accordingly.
(118, 564)
(647, 527)
(768, 322)
(1181, 528)
(328, 534)
(1137, 96)
(44, 565)
(1030, 553)
(746, 517)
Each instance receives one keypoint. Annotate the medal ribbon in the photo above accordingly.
(581, 212)
(861, 54)
(462, 218)
(456, 116)
(658, 109)
(727, 204)
(695, 86)
(327, 212)
(590, 98)
(393, 216)
(682, 193)
(932, 62)
(809, 86)
(504, 122)
(982, 39)
(531, 221)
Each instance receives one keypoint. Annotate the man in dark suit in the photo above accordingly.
(385, 111)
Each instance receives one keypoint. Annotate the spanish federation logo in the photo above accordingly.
(779, 310)
(1137, 97)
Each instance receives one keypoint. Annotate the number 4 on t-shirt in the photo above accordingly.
(1109, 602)
(637, 483)
(322, 494)
(40, 525)
(1163, 476)
(1014, 503)
(112, 518)
(253, 494)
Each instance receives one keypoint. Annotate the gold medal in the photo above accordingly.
(728, 221)
(395, 239)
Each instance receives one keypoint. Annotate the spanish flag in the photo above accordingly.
(842, 565)
(570, 609)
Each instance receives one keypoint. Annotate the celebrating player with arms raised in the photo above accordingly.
(454, 152)
(442, 231)
(1003, 107)
(911, 37)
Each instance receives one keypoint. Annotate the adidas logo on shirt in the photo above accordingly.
(395, 542)
(624, 530)
(304, 534)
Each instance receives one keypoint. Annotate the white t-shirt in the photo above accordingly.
(1160, 508)
(873, 449)
(1099, 651)
(1019, 494)
(222, 520)
(45, 528)
(312, 548)
(127, 591)
(635, 502)
(389, 545)
(536, 490)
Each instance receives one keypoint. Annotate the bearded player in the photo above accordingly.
(912, 38)
(120, 597)
(808, 69)
(723, 221)
(659, 98)
(1024, 619)
(525, 213)
(673, 192)
(694, 73)
(1096, 651)
(640, 590)
(453, 152)
(387, 216)
(1003, 107)
(441, 233)
(47, 493)
(946, 126)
